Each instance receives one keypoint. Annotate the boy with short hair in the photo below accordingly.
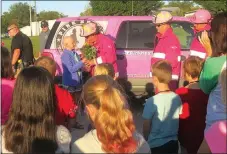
(161, 112)
(194, 107)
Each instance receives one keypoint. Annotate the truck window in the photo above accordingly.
(136, 35)
(184, 32)
(122, 36)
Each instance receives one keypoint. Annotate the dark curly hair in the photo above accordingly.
(31, 125)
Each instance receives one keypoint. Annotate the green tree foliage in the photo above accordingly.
(5, 20)
(213, 6)
(184, 6)
(20, 13)
(87, 11)
(124, 8)
(49, 15)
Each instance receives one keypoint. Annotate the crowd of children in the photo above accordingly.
(37, 114)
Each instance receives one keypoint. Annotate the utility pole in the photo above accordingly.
(30, 14)
(35, 11)
(35, 18)
(132, 7)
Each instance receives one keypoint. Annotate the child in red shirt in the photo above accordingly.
(66, 107)
(192, 119)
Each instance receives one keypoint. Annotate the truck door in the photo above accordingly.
(134, 44)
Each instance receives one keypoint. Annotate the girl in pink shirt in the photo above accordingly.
(7, 84)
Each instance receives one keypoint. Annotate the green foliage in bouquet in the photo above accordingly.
(88, 51)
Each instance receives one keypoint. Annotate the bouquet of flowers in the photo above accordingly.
(88, 51)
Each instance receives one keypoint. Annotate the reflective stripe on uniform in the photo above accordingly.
(162, 56)
(178, 58)
(150, 74)
(117, 74)
(159, 55)
(175, 77)
(99, 60)
(197, 53)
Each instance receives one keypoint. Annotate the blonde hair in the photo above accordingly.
(104, 69)
(163, 71)
(223, 85)
(66, 41)
(113, 121)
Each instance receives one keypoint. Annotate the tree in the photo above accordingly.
(213, 6)
(20, 12)
(124, 8)
(49, 15)
(6, 20)
(87, 11)
(184, 6)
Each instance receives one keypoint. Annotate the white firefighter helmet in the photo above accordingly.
(163, 17)
(88, 29)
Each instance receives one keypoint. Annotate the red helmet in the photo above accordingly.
(201, 16)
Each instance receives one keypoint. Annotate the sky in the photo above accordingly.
(70, 8)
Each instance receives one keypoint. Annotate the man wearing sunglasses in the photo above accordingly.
(167, 46)
(201, 20)
(21, 48)
(43, 35)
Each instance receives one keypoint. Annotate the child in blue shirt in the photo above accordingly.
(72, 65)
(161, 112)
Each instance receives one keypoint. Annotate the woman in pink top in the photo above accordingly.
(7, 84)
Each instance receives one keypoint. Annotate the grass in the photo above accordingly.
(35, 43)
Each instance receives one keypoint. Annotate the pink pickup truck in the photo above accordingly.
(134, 39)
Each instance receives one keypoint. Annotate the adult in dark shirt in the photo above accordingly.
(43, 36)
(21, 47)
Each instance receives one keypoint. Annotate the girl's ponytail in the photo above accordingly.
(113, 121)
